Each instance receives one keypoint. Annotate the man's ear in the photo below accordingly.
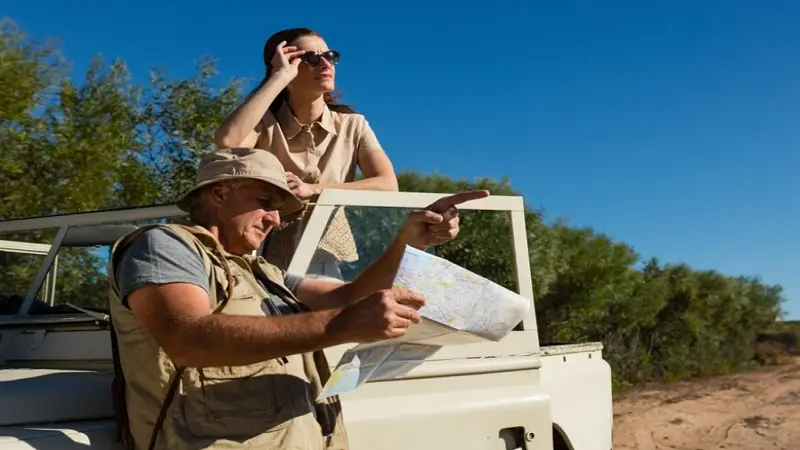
(217, 193)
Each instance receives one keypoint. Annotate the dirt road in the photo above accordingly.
(751, 411)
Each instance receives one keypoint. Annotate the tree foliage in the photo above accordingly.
(109, 142)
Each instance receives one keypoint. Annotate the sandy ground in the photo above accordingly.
(750, 411)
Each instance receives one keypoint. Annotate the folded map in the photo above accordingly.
(461, 308)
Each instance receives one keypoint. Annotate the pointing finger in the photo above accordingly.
(445, 202)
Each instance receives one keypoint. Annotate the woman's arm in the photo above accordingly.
(240, 128)
(378, 175)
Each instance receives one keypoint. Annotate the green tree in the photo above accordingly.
(102, 143)
(178, 122)
(109, 142)
(64, 145)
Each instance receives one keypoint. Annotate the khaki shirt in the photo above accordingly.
(326, 151)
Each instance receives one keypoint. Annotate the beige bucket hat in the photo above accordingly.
(242, 163)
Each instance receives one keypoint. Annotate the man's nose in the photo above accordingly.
(272, 218)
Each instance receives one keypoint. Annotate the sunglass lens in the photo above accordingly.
(332, 56)
(310, 58)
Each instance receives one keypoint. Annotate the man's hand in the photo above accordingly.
(383, 315)
(438, 223)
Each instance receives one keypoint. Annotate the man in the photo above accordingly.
(220, 349)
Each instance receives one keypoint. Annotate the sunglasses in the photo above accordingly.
(315, 59)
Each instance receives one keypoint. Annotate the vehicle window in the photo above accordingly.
(373, 229)
(21, 255)
(82, 273)
(81, 280)
(77, 277)
(484, 246)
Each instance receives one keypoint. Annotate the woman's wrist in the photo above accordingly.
(281, 77)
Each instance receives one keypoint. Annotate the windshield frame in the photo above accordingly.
(333, 198)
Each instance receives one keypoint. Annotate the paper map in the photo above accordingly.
(461, 308)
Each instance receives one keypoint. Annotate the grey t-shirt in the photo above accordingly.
(159, 256)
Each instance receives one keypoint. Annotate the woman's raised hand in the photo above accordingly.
(286, 60)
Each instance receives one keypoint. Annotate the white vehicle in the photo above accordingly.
(56, 365)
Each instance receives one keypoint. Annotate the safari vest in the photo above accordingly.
(270, 404)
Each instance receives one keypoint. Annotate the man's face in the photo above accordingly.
(246, 214)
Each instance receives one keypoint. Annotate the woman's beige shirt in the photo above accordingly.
(325, 151)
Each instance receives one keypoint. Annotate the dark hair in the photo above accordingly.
(290, 35)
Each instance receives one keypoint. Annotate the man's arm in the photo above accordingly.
(322, 294)
(180, 320)
(163, 281)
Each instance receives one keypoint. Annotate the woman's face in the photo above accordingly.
(313, 80)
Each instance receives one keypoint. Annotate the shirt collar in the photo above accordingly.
(291, 127)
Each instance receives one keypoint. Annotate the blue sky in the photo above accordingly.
(673, 126)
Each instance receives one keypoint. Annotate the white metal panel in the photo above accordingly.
(42, 396)
(522, 266)
(310, 239)
(463, 412)
(579, 387)
(345, 197)
(24, 247)
(92, 218)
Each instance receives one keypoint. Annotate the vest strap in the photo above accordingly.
(118, 399)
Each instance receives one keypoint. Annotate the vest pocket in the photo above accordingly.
(237, 401)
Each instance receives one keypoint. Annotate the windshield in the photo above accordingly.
(373, 228)
(20, 260)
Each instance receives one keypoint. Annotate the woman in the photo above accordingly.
(294, 114)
